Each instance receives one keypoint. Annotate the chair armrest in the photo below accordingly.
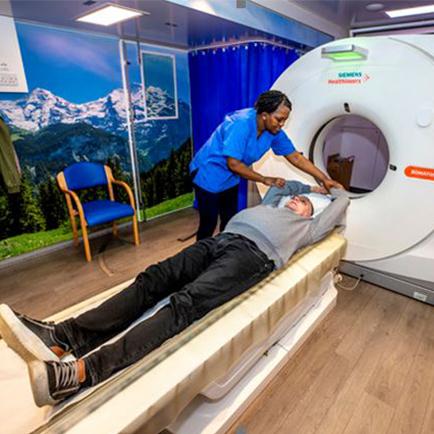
(128, 190)
(75, 198)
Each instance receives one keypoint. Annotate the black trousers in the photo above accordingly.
(200, 278)
(213, 205)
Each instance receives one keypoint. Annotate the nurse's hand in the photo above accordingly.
(330, 183)
(273, 181)
(318, 189)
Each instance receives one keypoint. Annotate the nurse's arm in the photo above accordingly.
(302, 163)
(239, 168)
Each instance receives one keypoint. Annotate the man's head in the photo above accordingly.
(300, 205)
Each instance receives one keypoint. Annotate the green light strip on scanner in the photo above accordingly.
(350, 55)
(344, 52)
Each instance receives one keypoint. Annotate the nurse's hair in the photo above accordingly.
(268, 101)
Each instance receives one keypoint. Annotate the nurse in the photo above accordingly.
(241, 139)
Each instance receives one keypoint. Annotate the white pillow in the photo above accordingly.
(282, 201)
(319, 202)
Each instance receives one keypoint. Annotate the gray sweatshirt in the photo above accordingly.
(279, 232)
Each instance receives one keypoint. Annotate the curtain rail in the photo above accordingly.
(246, 41)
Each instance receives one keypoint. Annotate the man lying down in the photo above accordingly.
(198, 279)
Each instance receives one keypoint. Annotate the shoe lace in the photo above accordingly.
(66, 375)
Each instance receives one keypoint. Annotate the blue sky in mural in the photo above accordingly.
(77, 67)
(82, 67)
(181, 62)
(158, 71)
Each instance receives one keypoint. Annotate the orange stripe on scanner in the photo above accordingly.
(419, 172)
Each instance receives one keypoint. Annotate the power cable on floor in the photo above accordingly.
(339, 278)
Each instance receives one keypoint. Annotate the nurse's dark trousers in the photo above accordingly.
(198, 279)
(213, 205)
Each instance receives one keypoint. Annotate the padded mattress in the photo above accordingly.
(152, 393)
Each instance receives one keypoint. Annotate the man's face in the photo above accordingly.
(275, 121)
(300, 205)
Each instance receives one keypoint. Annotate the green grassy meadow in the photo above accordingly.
(25, 243)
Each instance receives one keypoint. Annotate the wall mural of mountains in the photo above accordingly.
(51, 133)
(76, 111)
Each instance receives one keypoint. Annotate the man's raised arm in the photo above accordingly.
(274, 194)
(332, 216)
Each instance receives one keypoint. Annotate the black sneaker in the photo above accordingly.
(29, 338)
(53, 381)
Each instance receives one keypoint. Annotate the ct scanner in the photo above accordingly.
(215, 368)
(388, 81)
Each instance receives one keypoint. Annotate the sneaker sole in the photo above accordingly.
(21, 340)
(39, 383)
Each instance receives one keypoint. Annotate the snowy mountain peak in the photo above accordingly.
(41, 108)
(39, 92)
(116, 95)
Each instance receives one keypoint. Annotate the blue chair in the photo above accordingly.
(85, 175)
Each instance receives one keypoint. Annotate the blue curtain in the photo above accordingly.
(231, 78)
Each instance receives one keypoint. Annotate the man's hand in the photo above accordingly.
(273, 181)
(318, 189)
(330, 183)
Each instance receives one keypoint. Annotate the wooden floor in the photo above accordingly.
(47, 284)
(369, 367)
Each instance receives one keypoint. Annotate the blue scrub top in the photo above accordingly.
(235, 137)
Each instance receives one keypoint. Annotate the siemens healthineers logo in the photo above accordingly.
(354, 77)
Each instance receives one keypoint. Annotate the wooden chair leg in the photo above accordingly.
(115, 229)
(72, 219)
(74, 231)
(86, 244)
(136, 230)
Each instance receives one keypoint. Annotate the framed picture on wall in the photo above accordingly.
(160, 96)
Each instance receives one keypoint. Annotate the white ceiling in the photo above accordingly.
(338, 17)
(353, 13)
(193, 28)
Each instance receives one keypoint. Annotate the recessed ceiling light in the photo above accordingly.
(418, 10)
(374, 7)
(110, 14)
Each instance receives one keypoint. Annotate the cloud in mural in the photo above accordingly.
(77, 67)
(74, 51)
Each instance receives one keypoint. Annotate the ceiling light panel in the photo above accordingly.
(419, 10)
(110, 14)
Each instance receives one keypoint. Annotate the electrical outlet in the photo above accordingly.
(419, 296)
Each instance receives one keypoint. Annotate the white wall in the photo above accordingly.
(296, 12)
(5, 8)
